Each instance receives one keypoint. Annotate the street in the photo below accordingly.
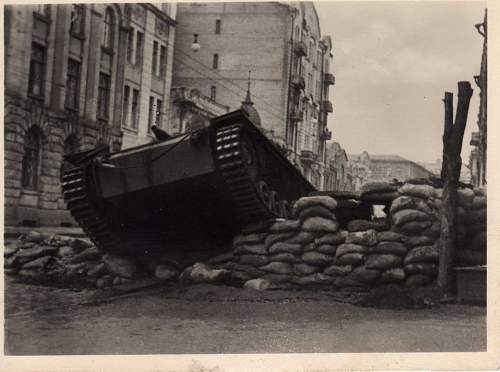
(218, 319)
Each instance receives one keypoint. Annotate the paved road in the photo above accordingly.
(209, 319)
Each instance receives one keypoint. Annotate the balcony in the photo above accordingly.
(326, 106)
(475, 139)
(298, 82)
(307, 156)
(300, 48)
(326, 135)
(329, 79)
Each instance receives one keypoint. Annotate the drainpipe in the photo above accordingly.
(287, 123)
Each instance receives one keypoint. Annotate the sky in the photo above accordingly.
(393, 62)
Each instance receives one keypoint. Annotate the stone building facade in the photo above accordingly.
(68, 76)
(389, 167)
(477, 160)
(289, 60)
(338, 173)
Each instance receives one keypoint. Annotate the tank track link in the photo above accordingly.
(252, 203)
(79, 203)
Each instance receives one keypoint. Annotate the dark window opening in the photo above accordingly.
(31, 158)
(130, 45)
(139, 42)
(213, 93)
(37, 71)
(73, 85)
(126, 104)
(108, 32)
(103, 96)
(215, 63)
(217, 26)
(158, 118)
(155, 58)
(77, 20)
(135, 108)
(151, 112)
(163, 60)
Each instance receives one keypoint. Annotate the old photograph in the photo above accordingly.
(245, 178)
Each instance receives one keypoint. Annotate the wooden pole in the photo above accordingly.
(450, 173)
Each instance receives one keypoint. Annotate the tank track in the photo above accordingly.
(79, 203)
(246, 193)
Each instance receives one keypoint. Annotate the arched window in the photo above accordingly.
(109, 26)
(31, 158)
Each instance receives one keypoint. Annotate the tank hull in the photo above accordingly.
(208, 183)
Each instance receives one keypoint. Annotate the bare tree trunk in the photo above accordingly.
(450, 174)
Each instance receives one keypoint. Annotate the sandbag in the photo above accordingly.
(324, 201)
(221, 258)
(392, 275)
(409, 215)
(316, 211)
(248, 269)
(284, 226)
(285, 257)
(258, 284)
(249, 239)
(417, 280)
(363, 225)
(364, 275)
(273, 238)
(368, 237)
(250, 249)
(319, 224)
(415, 241)
(313, 279)
(478, 202)
(305, 269)
(254, 260)
(383, 261)
(317, 259)
(284, 247)
(378, 187)
(383, 197)
(428, 253)
(465, 197)
(350, 259)
(302, 238)
(395, 248)
(413, 227)
(326, 249)
(428, 269)
(332, 238)
(350, 248)
(282, 268)
(346, 282)
(477, 216)
(338, 270)
(277, 278)
(434, 230)
(471, 258)
(403, 202)
(421, 191)
(389, 236)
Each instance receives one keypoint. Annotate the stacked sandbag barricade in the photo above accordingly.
(471, 219)
(68, 261)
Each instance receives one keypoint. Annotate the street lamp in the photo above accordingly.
(195, 46)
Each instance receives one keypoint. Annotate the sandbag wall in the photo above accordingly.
(311, 250)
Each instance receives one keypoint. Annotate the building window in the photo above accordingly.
(311, 50)
(213, 93)
(158, 113)
(318, 90)
(215, 63)
(139, 44)
(37, 70)
(155, 58)
(135, 108)
(151, 113)
(103, 96)
(31, 158)
(77, 20)
(108, 32)
(126, 105)
(42, 9)
(217, 26)
(163, 60)
(318, 57)
(130, 45)
(309, 83)
(73, 85)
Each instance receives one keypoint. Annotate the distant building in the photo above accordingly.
(281, 44)
(77, 75)
(477, 160)
(389, 167)
(338, 172)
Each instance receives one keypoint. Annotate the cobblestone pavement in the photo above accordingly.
(217, 319)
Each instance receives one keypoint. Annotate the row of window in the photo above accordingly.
(131, 104)
(135, 50)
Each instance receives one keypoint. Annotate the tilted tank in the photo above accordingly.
(210, 182)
